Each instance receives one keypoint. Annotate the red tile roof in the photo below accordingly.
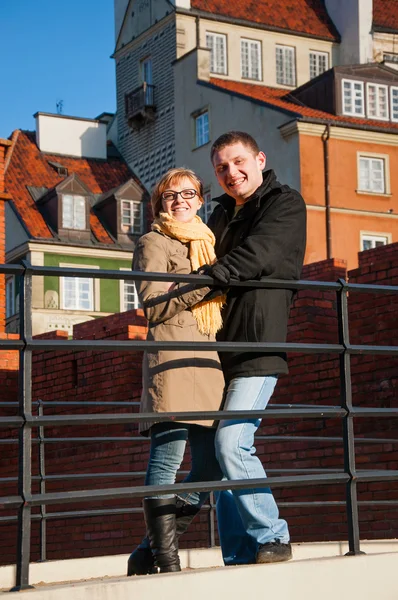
(29, 167)
(307, 17)
(279, 99)
(385, 14)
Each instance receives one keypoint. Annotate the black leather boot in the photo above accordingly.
(141, 560)
(160, 519)
(274, 551)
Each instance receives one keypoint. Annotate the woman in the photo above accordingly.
(176, 380)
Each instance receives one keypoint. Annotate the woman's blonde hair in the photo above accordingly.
(173, 175)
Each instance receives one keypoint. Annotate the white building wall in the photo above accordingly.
(60, 134)
(149, 151)
(227, 112)
(353, 19)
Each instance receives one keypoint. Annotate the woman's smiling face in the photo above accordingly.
(181, 209)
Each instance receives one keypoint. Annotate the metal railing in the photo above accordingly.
(26, 421)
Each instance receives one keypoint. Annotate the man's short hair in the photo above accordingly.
(234, 137)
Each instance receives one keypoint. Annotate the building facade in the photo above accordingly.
(73, 203)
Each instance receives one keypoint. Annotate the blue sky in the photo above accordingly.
(53, 50)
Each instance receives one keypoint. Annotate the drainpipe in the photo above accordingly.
(197, 22)
(325, 140)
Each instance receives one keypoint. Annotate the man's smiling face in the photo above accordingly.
(239, 171)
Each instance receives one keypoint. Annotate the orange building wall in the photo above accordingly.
(343, 180)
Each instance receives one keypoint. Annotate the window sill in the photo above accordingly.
(379, 194)
(202, 146)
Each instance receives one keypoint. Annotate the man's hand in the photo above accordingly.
(221, 273)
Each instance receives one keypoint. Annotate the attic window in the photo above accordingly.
(73, 212)
(61, 170)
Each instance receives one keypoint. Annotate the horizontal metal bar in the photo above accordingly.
(310, 438)
(137, 345)
(10, 502)
(369, 476)
(7, 422)
(12, 269)
(111, 419)
(374, 412)
(371, 288)
(373, 350)
(12, 344)
(150, 490)
(73, 403)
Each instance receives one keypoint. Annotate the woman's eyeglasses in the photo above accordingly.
(171, 195)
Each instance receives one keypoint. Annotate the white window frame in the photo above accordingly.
(288, 53)
(373, 238)
(385, 159)
(394, 112)
(218, 53)
(206, 209)
(377, 87)
(318, 55)
(75, 214)
(94, 289)
(131, 226)
(10, 296)
(250, 69)
(352, 83)
(202, 128)
(122, 291)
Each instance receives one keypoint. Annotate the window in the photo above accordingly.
(217, 42)
(390, 57)
(10, 296)
(202, 129)
(369, 241)
(319, 63)
(394, 103)
(285, 65)
(73, 212)
(132, 216)
(371, 174)
(353, 98)
(250, 59)
(206, 208)
(128, 295)
(77, 293)
(147, 80)
(377, 99)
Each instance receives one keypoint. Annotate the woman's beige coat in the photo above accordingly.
(174, 380)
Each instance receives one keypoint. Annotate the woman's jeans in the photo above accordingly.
(168, 442)
(247, 517)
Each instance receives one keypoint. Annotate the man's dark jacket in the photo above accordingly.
(265, 239)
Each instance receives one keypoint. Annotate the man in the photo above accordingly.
(260, 229)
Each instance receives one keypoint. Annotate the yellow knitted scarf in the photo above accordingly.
(201, 252)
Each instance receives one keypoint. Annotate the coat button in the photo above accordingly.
(181, 320)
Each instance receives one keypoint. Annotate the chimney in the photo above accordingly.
(4, 145)
(59, 134)
(181, 3)
(353, 19)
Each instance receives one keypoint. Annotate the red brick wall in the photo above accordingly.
(313, 379)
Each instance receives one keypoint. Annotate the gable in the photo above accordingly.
(139, 16)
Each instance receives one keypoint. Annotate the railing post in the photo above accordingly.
(25, 434)
(42, 474)
(348, 421)
(212, 526)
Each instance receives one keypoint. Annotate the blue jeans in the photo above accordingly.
(253, 517)
(168, 442)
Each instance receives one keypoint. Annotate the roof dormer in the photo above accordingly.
(124, 211)
(66, 209)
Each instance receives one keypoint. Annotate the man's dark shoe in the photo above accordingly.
(273, 552)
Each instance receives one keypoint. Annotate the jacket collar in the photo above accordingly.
(269, 180)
